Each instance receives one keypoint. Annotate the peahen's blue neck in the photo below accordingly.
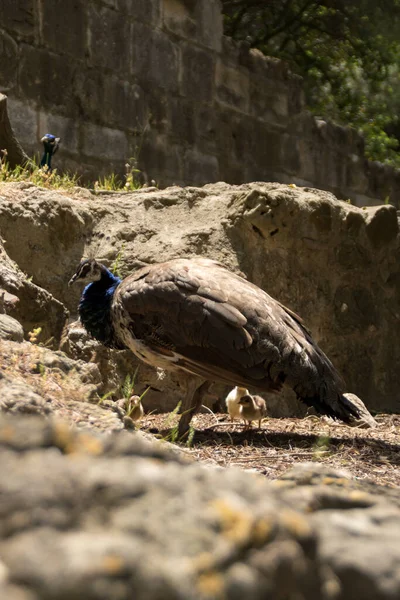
(95, 305)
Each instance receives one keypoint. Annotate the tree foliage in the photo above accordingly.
(347, 51)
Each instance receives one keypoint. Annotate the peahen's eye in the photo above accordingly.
(85, 270)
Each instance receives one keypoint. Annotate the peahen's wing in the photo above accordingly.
(215, 323)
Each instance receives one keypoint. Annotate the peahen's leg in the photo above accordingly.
(191, 403)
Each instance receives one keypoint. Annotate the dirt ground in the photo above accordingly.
(372, 454)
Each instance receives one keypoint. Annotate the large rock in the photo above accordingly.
(10, 329)
(24, 301)
(334, 264)
(119, 517)
(37, 380)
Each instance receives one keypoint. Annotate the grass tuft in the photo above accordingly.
(51, 179)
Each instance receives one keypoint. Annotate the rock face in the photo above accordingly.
(36, 380)
(118, 517)
(10, 329)
(22, 300)
(334, 264)
(114, 515)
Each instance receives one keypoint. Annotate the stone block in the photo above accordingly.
(307, 166)
(181, 119)
(155, 59)
(112, 3)
(191, 19)
(147, 11)
(206, 125)
(382, 225)
(231, 172)
(64, 26)
(9, 62)
(265, 146)
(66, 129)
(89, 90)
(179, 17)
(160, 158)
(104, 143)
(158, 110)
(232, 86)
(19, 17)
(209, 18)
(11, 329)
(269, 101)
(23, 120)
(378, 179)
(290, 153)
(124, 105)
(198, 68)
(45, 78)
(199, 169)
(109, 34)
(356, 178)
(232, 136)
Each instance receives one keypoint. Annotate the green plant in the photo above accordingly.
(321, 447)
(129, 384)
(105, 396)
(128, 389)
(40, 176)
(190, 438)
(51, 179)
(173, 435)
(41, 369)
(132, 182)
(347, 52)
(116, 266)
(109, 183)
(34, 335)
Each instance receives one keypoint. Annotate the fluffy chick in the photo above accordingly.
(135, 409)
(232, 402)
(253, 409)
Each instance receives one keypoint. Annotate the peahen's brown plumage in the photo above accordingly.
(195, 315)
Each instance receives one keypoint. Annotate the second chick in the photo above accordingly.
(253, 409)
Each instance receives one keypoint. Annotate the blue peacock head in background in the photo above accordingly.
(50, 144)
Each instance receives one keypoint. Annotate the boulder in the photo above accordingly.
(117, 516)
(334, 264)
(32, 306)
(37, 380)
(11, 329)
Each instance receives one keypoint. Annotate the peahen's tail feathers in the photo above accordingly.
(361, 416)
(346, 407)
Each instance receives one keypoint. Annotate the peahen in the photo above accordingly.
(50, 145)
(195, 316)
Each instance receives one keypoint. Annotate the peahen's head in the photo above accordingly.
(88, 270)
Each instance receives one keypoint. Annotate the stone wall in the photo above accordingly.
(156, 79)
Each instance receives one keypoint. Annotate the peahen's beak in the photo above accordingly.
(73, 278)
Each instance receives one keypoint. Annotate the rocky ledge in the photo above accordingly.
(91, 511)
(118, 517)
